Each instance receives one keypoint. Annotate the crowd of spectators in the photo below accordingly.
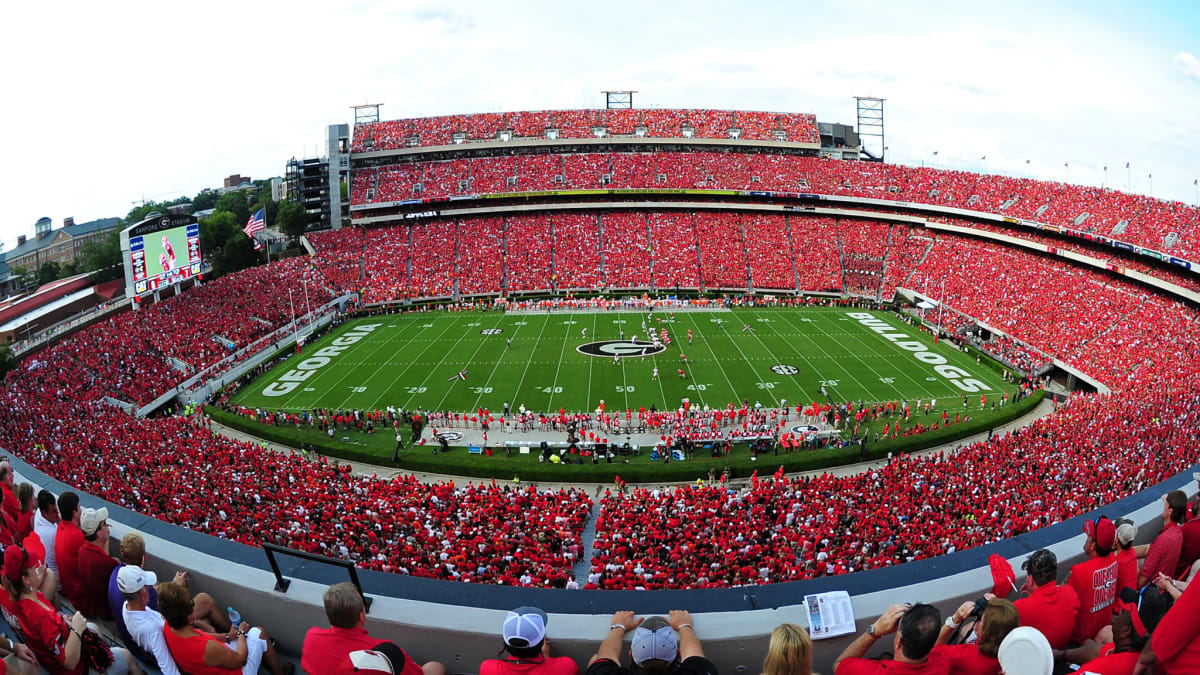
(1139, 220)
(570, 124)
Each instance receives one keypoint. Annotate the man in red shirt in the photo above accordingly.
(1136, 615)
(67, 542)
(1095, 580)
(1163, 554)
(327, 650)
(95, 564)
(526, 647)
(1050, 608)
(916, 628)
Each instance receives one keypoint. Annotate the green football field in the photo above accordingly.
(539, 361)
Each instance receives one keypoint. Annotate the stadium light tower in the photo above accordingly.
(870, 123)
(619, 100)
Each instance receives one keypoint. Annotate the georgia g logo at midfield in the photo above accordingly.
(610, 348)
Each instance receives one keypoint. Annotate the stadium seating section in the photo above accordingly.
(1144, 346)
(1170, 227)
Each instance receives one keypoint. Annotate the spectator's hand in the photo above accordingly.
(183, 579)
(244, 627)
(1164, 582)
(24, 653)
(627, 619)
(989, 596)
(78, 622)
(964, 610)
(887, 623)
(679, 617)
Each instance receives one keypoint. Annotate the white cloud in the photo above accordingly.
(1189, 64)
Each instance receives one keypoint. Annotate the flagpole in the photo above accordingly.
(293, 306)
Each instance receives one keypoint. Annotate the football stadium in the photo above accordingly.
(586, 361)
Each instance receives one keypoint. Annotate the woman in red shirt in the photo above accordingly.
(199, 653)
(978, 658)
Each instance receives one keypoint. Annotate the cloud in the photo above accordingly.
(1189, 64)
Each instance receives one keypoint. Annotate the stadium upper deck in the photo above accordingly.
(580, 124)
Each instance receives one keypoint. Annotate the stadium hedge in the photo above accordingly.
(633, 470)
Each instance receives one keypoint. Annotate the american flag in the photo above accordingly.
(255, 224)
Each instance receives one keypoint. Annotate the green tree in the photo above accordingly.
(235, 203)
(205, 200)
(47, 272)
(237, 254)
(103, 259)
(69, 270)
(8, 360)
(291, 220)
(216, 230)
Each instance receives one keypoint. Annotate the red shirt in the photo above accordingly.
(1176, 640)
(1127, 569)
(326, 649)
(67, 543)
(188, 653)
(1164, 553)
(1189, 551)
(24, 525)
(541, 665)
(936, 664)
(1095, 584)
(1121, 663)
(46, 633)
(95, 568)
(967, 660)
(1051, 609)
(12, 507)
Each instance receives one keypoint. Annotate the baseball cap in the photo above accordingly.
(1126, 532)
(1025, 650)
(90, 519)
(654, 640)
(131, 579)
(385, 658)
(16, 561)
(1146, 608)
(524, 627)
(1102, 530)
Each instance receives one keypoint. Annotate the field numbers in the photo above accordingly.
(697, 387)
(416, 390)
(310, 389)
(520, 323)
(887, 380)
(626, 389)
(618, 320)
(426, 325)
(931, 379)
(568, 322)
(829, 383)
(358, 390)
(474, 324)
(765, 385)
(481, 390)
(763, 319)
(551, 390)
(805, 319)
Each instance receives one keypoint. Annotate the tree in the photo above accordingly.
(291, 219)
(205, 200)
(235, 203)
(8, 360)
(237, 254)
(69, 270)
(47, 272)
(216, 230)
(103, 259)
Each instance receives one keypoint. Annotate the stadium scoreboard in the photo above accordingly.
(160, 251)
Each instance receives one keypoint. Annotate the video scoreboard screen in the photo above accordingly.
(160, 251)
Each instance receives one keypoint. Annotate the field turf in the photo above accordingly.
(411, 360)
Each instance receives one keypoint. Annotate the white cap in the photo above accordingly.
(131, 579)
(1025, 650)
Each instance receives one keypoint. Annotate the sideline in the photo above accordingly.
(474, 436)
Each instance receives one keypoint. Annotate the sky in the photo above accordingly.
(113, 103)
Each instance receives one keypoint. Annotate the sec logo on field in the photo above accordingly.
(784, 369)
(491, 331)
(610, 348)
